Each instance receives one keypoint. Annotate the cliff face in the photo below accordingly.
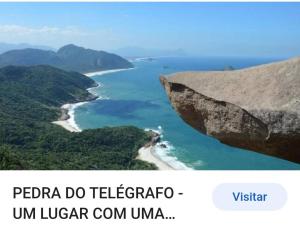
(256, 108)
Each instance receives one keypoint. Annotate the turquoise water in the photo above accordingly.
(135, 97)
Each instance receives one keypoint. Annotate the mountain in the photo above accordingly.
(4, 47)
(29, 57)
(69, 57)
(143, 52)
(257, 108)
(86, 60)
(30, 99)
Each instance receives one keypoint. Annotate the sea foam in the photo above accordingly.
(72, 107)
(71, 112)
(164, 151)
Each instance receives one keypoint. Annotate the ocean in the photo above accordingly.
(136, 97)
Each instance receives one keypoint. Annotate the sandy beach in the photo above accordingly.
(66, 125)
(67, 119)
(67, 122)
(146, 154)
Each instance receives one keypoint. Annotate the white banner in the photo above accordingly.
(232, 199)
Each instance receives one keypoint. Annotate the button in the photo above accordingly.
(249, 196)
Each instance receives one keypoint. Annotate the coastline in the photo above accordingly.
(67, 121)
(65, 125)
(147, 154)
(67, 117)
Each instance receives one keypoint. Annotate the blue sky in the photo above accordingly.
(203, 29)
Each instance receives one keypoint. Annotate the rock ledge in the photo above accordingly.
(257, 108)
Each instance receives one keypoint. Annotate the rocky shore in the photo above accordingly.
(147, 152)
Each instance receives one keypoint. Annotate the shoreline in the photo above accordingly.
(66, 120)
(147, 154)
(65, 125)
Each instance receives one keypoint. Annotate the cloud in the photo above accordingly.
(100, 38)
(44, 30)
(46, 35)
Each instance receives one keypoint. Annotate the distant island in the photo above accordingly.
(256, 108)
(69, 58)
(30, 99)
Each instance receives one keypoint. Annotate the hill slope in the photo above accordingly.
(30, 99)
(256, 108)
(4, 47)
(69, 57)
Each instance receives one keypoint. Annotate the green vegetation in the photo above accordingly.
(30, 98)
(69, 57)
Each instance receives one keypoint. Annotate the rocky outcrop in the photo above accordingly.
(154, 138)
(257, 108)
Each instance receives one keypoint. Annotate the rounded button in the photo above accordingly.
(249, 196)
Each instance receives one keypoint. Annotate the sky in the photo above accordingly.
(201, 29)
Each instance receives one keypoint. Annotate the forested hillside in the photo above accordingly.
(30, 99)
(69, 57)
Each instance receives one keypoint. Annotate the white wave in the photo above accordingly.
(98, 73)
(102, 97)
(164, 151)
(198, 163)
(92, 91)
(140, 59)
(71, 112)
(96, 87)
(72, 107)
(157, 131)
